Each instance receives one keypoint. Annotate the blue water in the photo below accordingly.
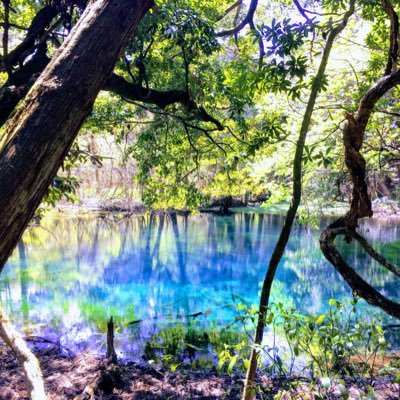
(68, 275)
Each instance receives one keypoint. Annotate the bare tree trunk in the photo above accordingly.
(111, 354)
(28, 361)
(40, 135)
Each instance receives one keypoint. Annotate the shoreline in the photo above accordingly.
(86, 376)
(277, 210)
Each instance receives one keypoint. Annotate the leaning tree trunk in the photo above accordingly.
(41, 133)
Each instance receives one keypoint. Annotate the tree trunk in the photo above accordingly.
(276, 257)
(28, 361)
(360, 206)
(41, 133)
(111, 354)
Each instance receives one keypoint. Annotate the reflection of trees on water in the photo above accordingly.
(23, 280)
(179, 264)
(181, 297)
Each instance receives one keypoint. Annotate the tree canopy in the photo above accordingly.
(290, 101)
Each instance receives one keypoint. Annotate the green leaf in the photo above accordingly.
(232, 364)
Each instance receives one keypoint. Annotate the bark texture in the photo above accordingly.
(360, 207)
(41, 133)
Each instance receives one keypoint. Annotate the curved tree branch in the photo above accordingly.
(135, 92)
(40, 22)
(236, 4)
(359, 286)
(360, 207)
(393, 38)
(246, 20)
(368, 248)
(20, 82)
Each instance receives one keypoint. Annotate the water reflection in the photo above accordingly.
(69, 275)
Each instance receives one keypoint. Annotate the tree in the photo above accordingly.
(316, 87)
(51, 22)
(42, 131)
(24, 63)
(360, 207)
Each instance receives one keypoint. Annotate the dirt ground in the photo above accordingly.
(67, 377)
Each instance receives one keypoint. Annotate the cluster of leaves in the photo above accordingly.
(181, 345)
(167, 43)
(334, 343)
(65, 184)
(286, 65)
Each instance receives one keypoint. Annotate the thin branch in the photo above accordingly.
(359, 286)
(261, 48)
(368, 248)
(5, 32)
(129, 69)
(237, 137)
(22, 28)
(392, 113)
(186, 65)
(206, 132)
(196, 151)
(393, 55)
(182, 178)
(246, 20)
(304, 11)
(329, 134)
(301, 10)
(236, 4)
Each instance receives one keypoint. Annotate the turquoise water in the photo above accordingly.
(68, 275)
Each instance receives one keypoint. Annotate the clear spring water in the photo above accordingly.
(68, 275)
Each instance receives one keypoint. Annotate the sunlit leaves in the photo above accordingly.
(186, 28)
(284, 37)
(270, 129)
(285, 66)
